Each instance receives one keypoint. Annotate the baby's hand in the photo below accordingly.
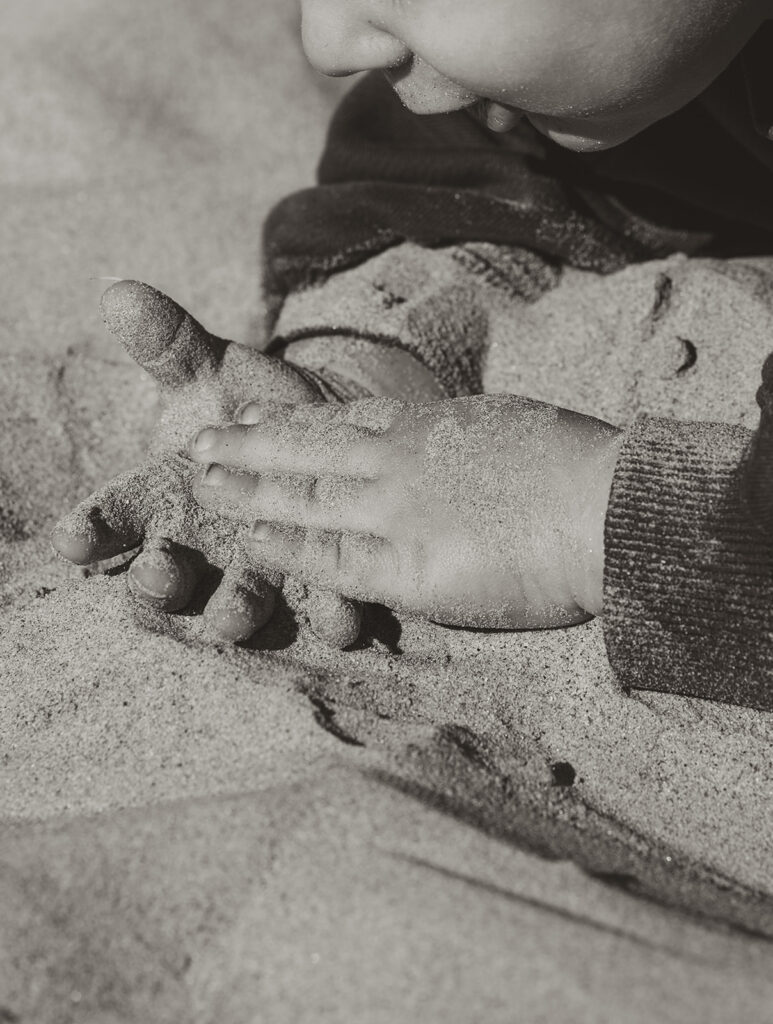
(202, 379)
(482, 512)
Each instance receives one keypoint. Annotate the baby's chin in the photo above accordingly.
(586, 137)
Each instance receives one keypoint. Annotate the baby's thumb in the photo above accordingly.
(158, 333)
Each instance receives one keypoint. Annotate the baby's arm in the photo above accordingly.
(417, 345)
(686, 574)
(687, 592)
(484, 511)
(536, 478)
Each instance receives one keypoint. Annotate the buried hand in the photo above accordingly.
(202, 379)
(485, 511)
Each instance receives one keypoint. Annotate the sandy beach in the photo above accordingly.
(438, 825)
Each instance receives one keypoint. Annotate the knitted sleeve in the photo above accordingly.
(433, 303)
(688, 583)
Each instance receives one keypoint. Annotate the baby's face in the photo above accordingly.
(587, 73)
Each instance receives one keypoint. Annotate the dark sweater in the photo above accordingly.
(687, 593)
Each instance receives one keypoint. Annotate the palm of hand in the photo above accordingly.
(477, 511)
(202, 380)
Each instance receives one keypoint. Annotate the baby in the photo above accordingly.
(380, 472)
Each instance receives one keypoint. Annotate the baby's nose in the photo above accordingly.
(339, 39)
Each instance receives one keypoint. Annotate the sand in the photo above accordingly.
(437, 825)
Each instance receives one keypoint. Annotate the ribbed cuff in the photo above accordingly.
(688, 578)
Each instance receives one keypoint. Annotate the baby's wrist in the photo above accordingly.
(590, 590)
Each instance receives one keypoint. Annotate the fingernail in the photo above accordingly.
(260, 531)
(248, 413)
(214, 475)
(205, 439)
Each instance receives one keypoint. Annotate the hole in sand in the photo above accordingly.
(690, 355)
(664, 286)
(563, 773)
(618, 879)
(325, 716)
(382, 625)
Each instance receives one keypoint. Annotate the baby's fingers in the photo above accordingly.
(165, 574)
(327, 502)
(240, 606)
(357, 565)
(104, 525)
(308, 439)
(85, 536)
(159, 334)
(333, 618)
(298, 449)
